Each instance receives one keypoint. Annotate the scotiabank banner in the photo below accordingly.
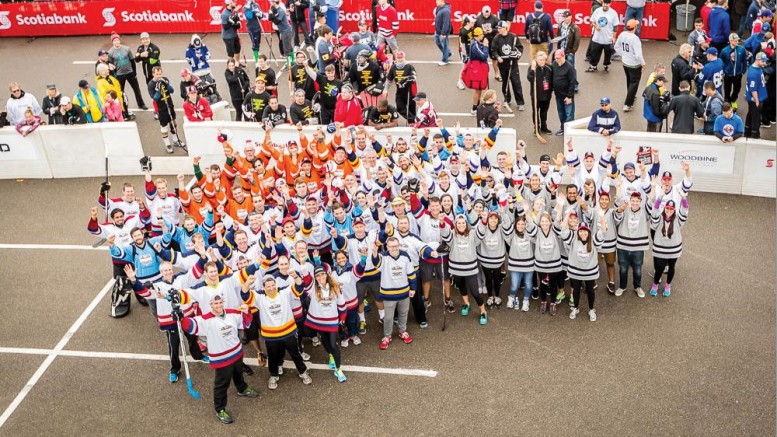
(175, 16)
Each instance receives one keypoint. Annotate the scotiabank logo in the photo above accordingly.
(215, 15)
(110, 20)
(157, 17)
(5, 23)
(406, 15)
(769, 163)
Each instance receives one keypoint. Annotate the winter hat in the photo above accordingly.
(319, 269)
(114, 35)
(196, 40)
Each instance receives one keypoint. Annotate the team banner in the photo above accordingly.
(64, 18)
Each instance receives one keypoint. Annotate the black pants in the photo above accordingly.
(329, 341)
(419, 309)
(768, 111)
(405, 104)
(133, 81)
(660, 264)
(508, 69)
(493, 281)
(548, 285)
(238, 104)
(469, 285)
(596, 53)
(753, 121)
(560, 278)
(327, 115)
(543, 113)
(655, 127)
(303, 27)
(276, 350)
(633, 76)
(732, 85)
(577, 284)
(174, 348)
(232, 372)
(507, 15)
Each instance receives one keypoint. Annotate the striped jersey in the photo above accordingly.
(397, 275)
(667, 246)
(276, 319)
(325, 314)
(633, 228)
(224, 347)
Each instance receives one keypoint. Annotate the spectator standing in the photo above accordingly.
(475, 72)
(488, 110)
(713, 107)
(105, 82)
(90, 101)
(734, 58)
(388, 25)
(488, 22)
(540, 78)
(466, 35)
(738, 13)
(539, 30)
(230, 23)
(570, 42)
(253, 13)
(704, 14)
(239, 86)
(653, 99)
(18, 103)
(711, 72)
(347, 110)
(728, 126)
(604, 21)
(277, 15)
(102, 58)
(756, 95)
(50, 104)
(508, 50)
(685, 107)
(564, 80)
(297, 10)
(442, 29)
(764, 18)
(404, 76)
(196, 108)
(635, 10)
(605, 121)
(698, 34)
(122, 57)
(629, 46)
(112, 110)
(148, 55)
(507, 10)
(753, 11)
(681, 68)
(719, 24)
(426, 115)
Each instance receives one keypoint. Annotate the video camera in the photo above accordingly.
(145, 163)
(174, 297)
(414, 185)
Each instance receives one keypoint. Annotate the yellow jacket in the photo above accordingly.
(92, 104)
(106, 84)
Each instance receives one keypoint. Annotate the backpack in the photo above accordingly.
(534, 30)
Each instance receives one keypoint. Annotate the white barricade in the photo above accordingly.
(221, 111)
(760, 174)
(201, 137)
(22, 157)
(716, 167)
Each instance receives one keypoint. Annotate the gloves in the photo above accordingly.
(105, 187)
(177, 314)
(316, 107)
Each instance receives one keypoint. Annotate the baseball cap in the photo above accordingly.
(362, 22)
(761, 56)
(765, 27)
(632, 24)
(145, 35)
(191, 90)
(537, 5)
(287, 219)
(669, 204)
(545, 158)
(486, 9)
(420, 95)
(666, 175)
(588, 155)
(319, 269)
(660, 77)
(398, 201)
(455, 157)
(566, 14)
(354, 36)
(733, 37)
(477, 32)
(604, 101)
(216, 297)
(64, 100)
(583, 227)
(607, 2)
(184, 72)
(711, 51)
(636, 194)
(503, 25)
(767, 13)
(83, 83)
(51, 86)
(629, 165)
(358, 221)
(102, 52)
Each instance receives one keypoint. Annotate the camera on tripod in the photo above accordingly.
(174, 297)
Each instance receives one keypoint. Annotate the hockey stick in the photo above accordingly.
(444, 306)
(194, 393)
(102, 241)
(537, 113)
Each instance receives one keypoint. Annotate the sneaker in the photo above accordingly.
(525, 306)
(497, 302)
(543, 307)
(510, 302)
(473, 111)
(451, 307)
(306, 379)
(573, 313)
(592, 315)
(483, 319)
(559, 132)
(156, 116)
(384, 343)
(405, 337)
(362, 328)
(280, 370)
(619, 292)
(272, 383)
(205, 359)
(173, 377)
(443, 63)
(316, 342)
(553, 309)
(460, 85)
(521, 107)
(224, 417)
(305, 356)
(367, 308)
(627, 108)
(465, 310)
(766, 124)
(667, 290)
(356, 340)
(507, 107)
(424, 325)
(606, 69)
(611, 287)
(591, 69)
(144, 107)
(498, 78)
(344, 343)
(340, 375)
(490, 302)
(639, 291)
(247, 370)
(169, 148)
(560, 297)
(654, 290)
(546, 131)
(332, 364)
(249, 393)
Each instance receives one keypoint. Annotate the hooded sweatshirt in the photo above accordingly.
(15, 106)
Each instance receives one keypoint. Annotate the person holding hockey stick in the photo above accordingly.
(162, 92)
(220, 326)
(507, 49)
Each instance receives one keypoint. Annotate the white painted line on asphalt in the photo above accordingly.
(224, 61)
(53, 353)
(467, 114)
(250, 361)
(52, 246)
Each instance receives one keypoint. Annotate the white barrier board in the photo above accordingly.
(22, 157)
(760, 173)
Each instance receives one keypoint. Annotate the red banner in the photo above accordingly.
(177, 16)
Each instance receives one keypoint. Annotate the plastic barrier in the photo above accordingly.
(717, 167)
(22, 157)
(201, 137)
(760, 173)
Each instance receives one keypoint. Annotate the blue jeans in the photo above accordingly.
(633, 259)
(515, 282)
(565, 112)
(635, 13)
(442, 44)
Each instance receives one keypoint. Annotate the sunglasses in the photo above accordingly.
(16, 91)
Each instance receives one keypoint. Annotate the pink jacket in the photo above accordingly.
(113, 111)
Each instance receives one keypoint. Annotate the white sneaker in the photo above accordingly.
(316, 341)
(510, 302)
(490, 301)
(640, 293)
(627, 108)
(305, 356)
(356, 340)
(280, 370)
(473, 111)
(460, 85)
(498, 301)
(592, 315)
(344, 343)
(521, 107)
(507, 107)
(525, 306)
(573, 313)
(619, 292)
(306, 379)
(272, 384)
(442, 64)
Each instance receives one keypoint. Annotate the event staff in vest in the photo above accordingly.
(221, 325)
(397, 285)
(667, 224)
(633, 222)
(463, 260)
